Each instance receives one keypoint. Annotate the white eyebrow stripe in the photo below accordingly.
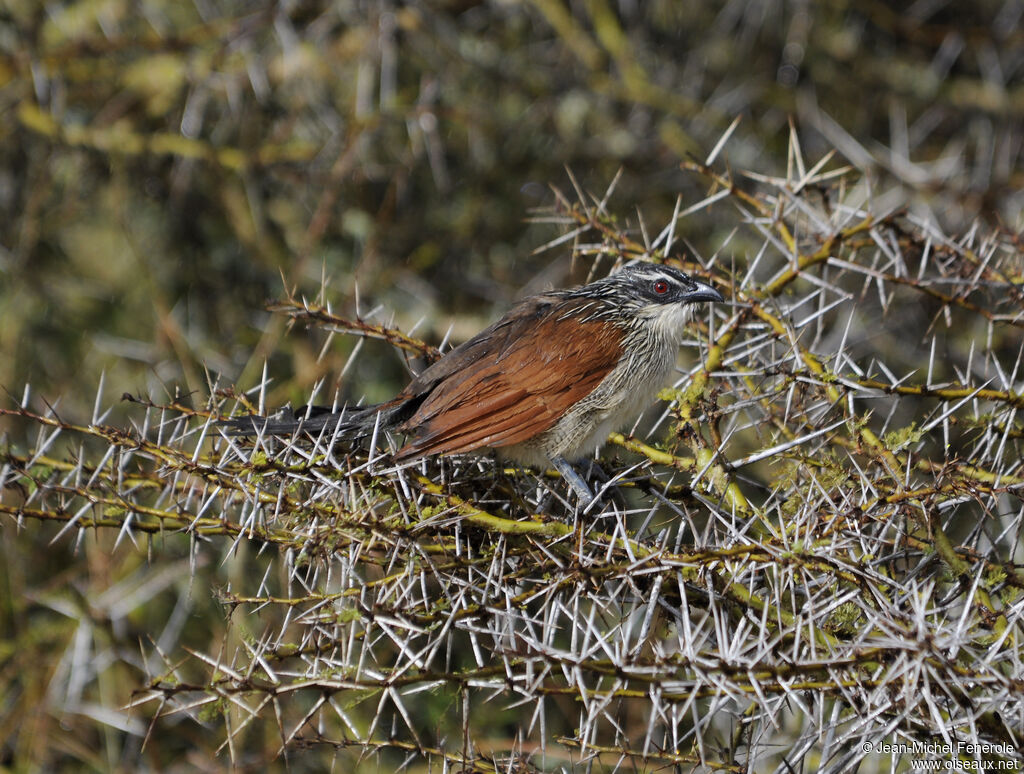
(669, 278)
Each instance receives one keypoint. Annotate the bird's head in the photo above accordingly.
(656, 295)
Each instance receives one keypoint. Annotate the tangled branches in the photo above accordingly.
(815, 551)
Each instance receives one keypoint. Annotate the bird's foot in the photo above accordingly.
(575, 480)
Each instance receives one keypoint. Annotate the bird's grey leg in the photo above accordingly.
(579, 486)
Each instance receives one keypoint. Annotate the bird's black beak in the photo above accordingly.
(701, 292)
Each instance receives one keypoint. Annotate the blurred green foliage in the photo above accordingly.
(164, 165)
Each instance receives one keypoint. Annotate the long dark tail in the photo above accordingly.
(343, 423)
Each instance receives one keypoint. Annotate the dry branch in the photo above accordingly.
(826, 531)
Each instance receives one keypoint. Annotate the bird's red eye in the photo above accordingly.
(661, 287)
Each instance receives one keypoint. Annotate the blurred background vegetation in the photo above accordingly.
(166, 167)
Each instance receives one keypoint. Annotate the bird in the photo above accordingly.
(545, 384)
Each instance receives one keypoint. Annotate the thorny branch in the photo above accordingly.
(826, 527)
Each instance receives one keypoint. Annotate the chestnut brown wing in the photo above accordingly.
(512, 381)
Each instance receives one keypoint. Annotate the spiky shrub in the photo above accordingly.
(811, 550)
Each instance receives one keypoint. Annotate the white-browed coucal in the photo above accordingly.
(546, 383)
